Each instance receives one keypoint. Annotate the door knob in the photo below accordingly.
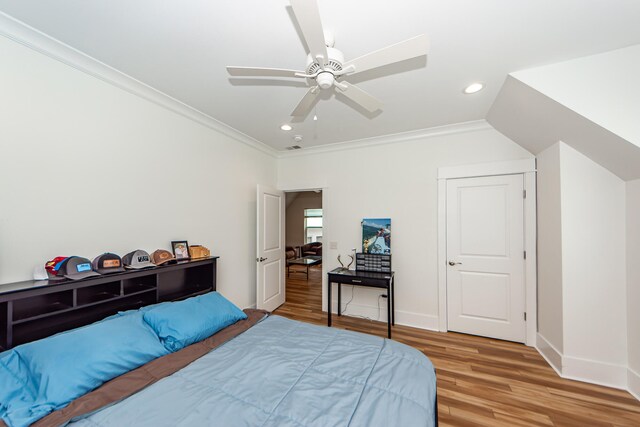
(452, 263)
(261, 259)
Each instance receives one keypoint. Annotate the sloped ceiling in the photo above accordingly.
(182, 48)
(591, 103)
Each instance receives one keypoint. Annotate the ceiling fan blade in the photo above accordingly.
(305, 105)
(308, 17)
(407, 49)
(360, 97)
(262, 72)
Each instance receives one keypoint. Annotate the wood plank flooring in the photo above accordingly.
(482, 382)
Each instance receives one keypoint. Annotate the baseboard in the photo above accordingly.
(633, 383)
(549, 353)
(585, 370)
(417, 320)
(595, 372)
(251, 306)
(404, 318)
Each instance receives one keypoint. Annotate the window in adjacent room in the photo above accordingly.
(313, 225)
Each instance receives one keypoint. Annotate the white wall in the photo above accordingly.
(399, 181)
(582, 286)
(633, 285)
(593, 264)
(549, 247)
(295, 215)
(86, 167)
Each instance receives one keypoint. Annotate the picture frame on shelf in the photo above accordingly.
(181, 250)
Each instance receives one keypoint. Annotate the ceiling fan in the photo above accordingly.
(326, 67)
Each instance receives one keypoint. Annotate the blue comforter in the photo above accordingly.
(287, 373)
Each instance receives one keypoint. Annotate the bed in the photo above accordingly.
(260, 370)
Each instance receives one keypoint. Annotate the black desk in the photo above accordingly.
(363, 278)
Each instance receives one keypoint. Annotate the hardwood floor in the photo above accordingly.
(483, 382)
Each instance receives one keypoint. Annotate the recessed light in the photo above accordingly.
(473, 88)
(286, 127)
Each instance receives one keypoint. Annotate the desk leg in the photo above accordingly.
(389, 312)
(339, 299)
(393, 302)
(329, 306)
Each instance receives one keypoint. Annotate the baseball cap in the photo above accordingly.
(53, 268)
(107, 263)
(76, 268)
(162, 256)
(137, 259)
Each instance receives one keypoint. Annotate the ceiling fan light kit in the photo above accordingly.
(326, 67)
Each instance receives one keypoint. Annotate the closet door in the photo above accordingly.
(485, 257)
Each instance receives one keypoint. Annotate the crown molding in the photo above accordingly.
(40, 42)
(456, 128)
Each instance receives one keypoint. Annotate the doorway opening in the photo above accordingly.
(304, 230)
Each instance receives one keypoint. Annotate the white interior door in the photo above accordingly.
(485, 257)
(270, 254)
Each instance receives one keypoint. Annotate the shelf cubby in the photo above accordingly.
(137, 284)
(184, 283)
(96, 293)
(42, 304)
(37, 328)
(4, 323)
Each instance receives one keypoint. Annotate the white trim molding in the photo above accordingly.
(594, 371)
(633, 383)
(549, 353)
(590, 371)
(488, 169)
(405, 318)
(525, 167)
(395, 138)
(326, 226)
(40, 42)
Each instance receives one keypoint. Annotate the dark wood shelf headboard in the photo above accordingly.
(32, 310)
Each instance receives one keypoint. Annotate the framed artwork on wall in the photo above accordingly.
(376, 236)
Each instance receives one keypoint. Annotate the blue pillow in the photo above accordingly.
(182, 323)
(66, 366)
(17, 392)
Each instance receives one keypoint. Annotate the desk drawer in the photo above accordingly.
(375, 283)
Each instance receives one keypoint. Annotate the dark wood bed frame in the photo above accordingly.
(33, 310)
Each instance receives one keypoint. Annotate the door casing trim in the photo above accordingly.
(527, 168)
(326, 229)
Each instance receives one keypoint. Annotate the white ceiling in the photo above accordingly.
(182, 48)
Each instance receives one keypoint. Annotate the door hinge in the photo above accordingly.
(525, 254)
(525, 316)
(524, 194)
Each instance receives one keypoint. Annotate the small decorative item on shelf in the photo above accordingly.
(162, 257)
(373, 262)
(181, 250)
(199, 251)
(348, 266)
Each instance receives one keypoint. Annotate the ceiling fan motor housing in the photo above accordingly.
(326, 78)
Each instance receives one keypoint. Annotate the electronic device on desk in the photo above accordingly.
(373, 262)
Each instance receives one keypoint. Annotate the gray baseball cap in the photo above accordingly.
(137, 259)
(77, 268)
